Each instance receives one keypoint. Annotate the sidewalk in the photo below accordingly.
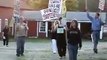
(42, 51)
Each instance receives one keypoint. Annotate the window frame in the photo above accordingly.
(41, 26)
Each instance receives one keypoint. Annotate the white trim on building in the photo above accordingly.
(46, 29)
(42, 27)
(37, 29)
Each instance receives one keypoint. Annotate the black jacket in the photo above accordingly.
(74, 37)
(6, 31)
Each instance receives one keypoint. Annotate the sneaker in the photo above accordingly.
(64, 57)
(22, 54)
(6, 45)
(17, 55)
(54, 52)
(95, 51)
(61, 57)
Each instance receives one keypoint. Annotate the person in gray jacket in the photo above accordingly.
(21, 34)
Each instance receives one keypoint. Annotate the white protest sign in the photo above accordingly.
(53, 11)
(55, 6)
(101, 4)
(48, 15)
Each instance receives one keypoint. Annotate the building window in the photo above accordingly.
(6, 21)
(42, 27)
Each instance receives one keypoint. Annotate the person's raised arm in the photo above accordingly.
(90, 17)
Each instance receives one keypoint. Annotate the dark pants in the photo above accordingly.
(61, 45)
(73, 51)
(96, 36)
(6, 40)
(20, 44)
(61, 49)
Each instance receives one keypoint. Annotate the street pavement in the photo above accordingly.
(38, 50)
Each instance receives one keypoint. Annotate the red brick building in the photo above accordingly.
(37, 28)
(6, 12)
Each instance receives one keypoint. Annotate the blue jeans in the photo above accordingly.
(96, 37)
(20, 41)
(73, 51)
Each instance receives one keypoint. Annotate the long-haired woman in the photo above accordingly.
(53, 36)
(74, 40)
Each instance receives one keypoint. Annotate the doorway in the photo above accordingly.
(86, 30)
(49, 29)
(32, 32)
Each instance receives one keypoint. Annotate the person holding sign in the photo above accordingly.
(96, 28)
(74, 40)
(61, 39)
(53, 36)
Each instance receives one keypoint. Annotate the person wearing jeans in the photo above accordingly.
(20, 45)
(74, 40)
(96, 37)
(73, 51)
(96, 28)
(21, 34)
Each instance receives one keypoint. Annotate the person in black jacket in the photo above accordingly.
(61, 39)
(5, 34)
(74, 40)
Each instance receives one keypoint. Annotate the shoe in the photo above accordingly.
(64, 57)
(22, 54)
(60, 57)
(17, 55)
(54, 52)
(6, 45)
(95, 51)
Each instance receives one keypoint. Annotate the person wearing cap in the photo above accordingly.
(21, 34)
(96, 28)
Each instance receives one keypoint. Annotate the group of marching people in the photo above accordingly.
(63, 36)
(60, 33)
